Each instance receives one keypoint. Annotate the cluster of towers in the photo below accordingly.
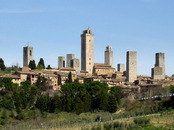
(87, 59)
(71, 62)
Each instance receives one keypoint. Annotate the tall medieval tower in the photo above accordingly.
(87, 51)
(27, 55)
(109, 56)
(131, 66)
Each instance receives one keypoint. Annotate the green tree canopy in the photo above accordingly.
(117, 92)
(2, 65)
(48, 67)
(69, 80)
(41, 64)
(32, 65)
(112, 104)
(7, 83)
(41, 83)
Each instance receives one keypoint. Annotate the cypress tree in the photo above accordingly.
(2, 66)
(32, 65)
(41, 64)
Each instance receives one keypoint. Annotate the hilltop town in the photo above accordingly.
(128, 79)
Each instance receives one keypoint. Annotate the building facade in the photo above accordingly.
(87, 51)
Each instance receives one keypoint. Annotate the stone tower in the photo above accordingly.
(160, 62)
(69, 57)
(109, 56)
(61, 61)
(87, 51)
(27, 55)
(120, 68)
(131, 66)
(158, 72)
(75, 64)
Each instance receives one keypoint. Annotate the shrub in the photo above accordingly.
(108, 126)
(98, 127)
(2, 122)
(12, 115)
(4, 114)
(141, 121)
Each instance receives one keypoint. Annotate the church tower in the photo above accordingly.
(109, 56)
(87, 51)
(27, 55)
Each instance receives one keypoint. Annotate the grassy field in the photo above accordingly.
(87, 121)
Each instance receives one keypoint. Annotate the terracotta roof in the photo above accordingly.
(83, 71)
(10, 76)
(67, 69)
(25, 72)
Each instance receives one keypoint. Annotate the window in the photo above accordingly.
(89, 63)
(89, 40)
(89, 58)
(30, 53)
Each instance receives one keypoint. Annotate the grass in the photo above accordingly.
(86, 121)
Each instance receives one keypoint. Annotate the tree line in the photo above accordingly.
(73, 97)
(32, 65)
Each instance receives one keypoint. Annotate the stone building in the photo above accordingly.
(87, 51)
(103, 69)
(27, 55)
(131, 66)
(75, 64)
(109, 56)
(69, 57)
(120, 67)
(158, 72)
(61, 61)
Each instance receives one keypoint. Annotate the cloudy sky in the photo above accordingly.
(53, 28)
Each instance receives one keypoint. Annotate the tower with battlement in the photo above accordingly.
(27, 55)
(87, 51)
(61, 61)
(158, 72)
(131, 66)
(109, 56)
(69, 57)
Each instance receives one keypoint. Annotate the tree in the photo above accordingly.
(2, 66)
(41, 83)
(41, 64)
(112, 104)
(78, 105)
(69, 78)
(7, 83)
(32, 65)
(48, 67)
(117, 92)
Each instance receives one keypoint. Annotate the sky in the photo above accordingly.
(53, 28)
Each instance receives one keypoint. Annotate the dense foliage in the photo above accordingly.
(74, 98)
(41, 64)
(2, 65)
(32, 65)
(48, 67)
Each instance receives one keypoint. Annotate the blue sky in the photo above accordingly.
(53, 28)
